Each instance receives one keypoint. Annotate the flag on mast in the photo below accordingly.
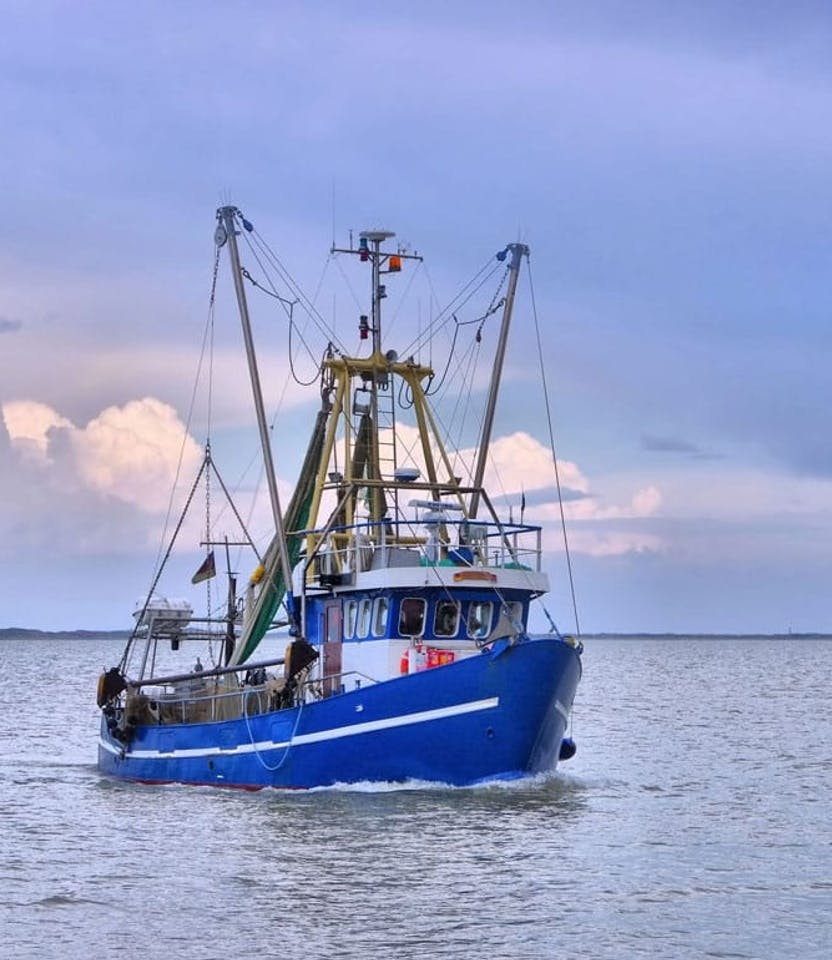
(206, 571)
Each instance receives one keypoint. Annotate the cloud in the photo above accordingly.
(133, 452)
(29, 424)
(114, 364)
(9, 326)
(615, 543)
(130, 453)
(668, 445)
(600, 529)
(102, 488)
(665, 444)
(518, 461)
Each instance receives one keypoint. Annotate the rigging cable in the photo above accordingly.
(288, 306)
(208, 546)
(207, 344)
(461, 298)
(140, 618)
(312, 311)
(554, 458)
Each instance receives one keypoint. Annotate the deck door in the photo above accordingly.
(333, 634)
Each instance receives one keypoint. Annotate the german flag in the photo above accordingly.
(206, 571)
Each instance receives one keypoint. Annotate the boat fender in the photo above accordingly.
(110, 685)
(568, 749)
(299, 655)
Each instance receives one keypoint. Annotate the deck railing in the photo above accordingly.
(336, 552)
(197, 698)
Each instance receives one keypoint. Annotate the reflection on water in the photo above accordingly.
(693, 822)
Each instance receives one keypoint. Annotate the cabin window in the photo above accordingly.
(380, 608)
(479, 618)
(364, 609)
(412, 617)
(350, 617)
(446, 618)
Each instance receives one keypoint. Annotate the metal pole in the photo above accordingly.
(518, 251)
(227, 214)
(375, 466)
(375, 238)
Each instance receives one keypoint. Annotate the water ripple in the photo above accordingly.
(692, 823)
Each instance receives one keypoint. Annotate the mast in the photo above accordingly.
(376, 238)
(227, 232)
(518, 251)
(369, 248)
(231, 609)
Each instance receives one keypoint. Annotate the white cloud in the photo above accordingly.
(740, 493)
(114, 365)
(614, 543)
(29, 423)
(519, 462)
(133, 452)
(643, 503)
(130, 453)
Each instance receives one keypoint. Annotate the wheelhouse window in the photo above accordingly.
(365, 606)
(412, 617)
(480, 615)
(381, 607)
(350, 617)
(446, 618)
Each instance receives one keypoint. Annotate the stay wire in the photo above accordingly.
(288, 307)
(207, 346)
(310, 308)
(442, 318)
(461, 298)
(158, 574)
(554, 456)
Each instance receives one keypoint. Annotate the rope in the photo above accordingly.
(158, 575)
(282, 760)
(208, 548)
(207, 346)
(554, 461)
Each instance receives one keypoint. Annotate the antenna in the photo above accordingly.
(332, 199)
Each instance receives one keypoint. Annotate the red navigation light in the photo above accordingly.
(363, 325)
(363, 252)
(395, 263)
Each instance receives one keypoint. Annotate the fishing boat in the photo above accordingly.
(402, 596)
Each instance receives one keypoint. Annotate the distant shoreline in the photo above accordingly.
(21, 633)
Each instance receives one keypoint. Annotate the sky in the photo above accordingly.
(668, 165)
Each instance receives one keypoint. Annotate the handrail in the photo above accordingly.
(202, 674)
(496, 529)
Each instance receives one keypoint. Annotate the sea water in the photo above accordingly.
(695, 821)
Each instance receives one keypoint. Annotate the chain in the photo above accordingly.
(208, 520)
(214, 278)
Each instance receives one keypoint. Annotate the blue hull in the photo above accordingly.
(499, 715)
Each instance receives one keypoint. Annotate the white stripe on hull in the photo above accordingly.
(334, 733)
